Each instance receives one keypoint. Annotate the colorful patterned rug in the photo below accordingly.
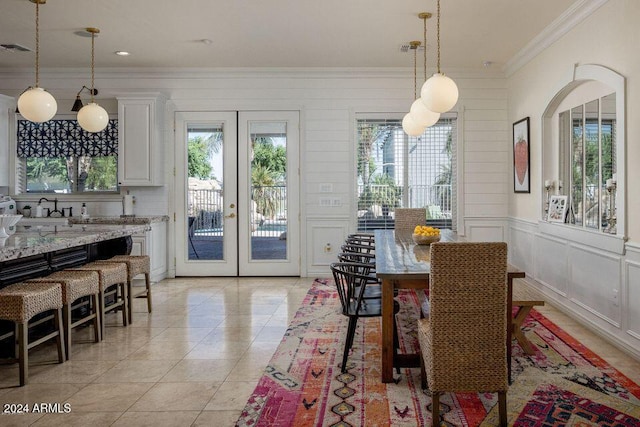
(563, 384)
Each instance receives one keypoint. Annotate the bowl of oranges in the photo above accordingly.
(425, 235)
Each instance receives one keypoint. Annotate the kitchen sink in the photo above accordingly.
(43, 221)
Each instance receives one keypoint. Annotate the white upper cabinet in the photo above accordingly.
(140, 140)
(6, 104)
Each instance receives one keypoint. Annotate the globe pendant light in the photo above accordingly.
(410, 126)
(36, 104)
(92, 117)
(439, 93)
(419, 112)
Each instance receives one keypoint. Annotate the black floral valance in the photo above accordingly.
(64, 138)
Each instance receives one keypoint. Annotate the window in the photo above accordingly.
(395, 170)
(583, 156)
(58, 156)
(588, 137)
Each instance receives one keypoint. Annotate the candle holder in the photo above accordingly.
(611, 215)
(548, 187)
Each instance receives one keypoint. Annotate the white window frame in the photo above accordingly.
(455, 160)
(550, 167)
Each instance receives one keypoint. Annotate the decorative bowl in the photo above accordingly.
(420, 239)
(6, 222)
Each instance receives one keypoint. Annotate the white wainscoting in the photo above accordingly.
(551, 263)
(594, 282)
(599, 287)
(520, 239)
(631, 298)
(485, 229)
(326, 234)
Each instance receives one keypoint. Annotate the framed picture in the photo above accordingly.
(521, 182)
(557, 208)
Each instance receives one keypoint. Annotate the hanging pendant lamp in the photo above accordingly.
(36, 104)
(419, 111)
(92, 117)
(410, 126)
(439, 93)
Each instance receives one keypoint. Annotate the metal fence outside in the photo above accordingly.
(376, 204)
(206, 212)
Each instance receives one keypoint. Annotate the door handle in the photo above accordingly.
(231, 215)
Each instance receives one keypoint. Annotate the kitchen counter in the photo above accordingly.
(153, 242)
(35, 240)
(120, 220)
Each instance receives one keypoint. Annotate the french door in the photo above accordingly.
(237, 193)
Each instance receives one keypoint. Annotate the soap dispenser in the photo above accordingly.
(39, 210)
(84, 212)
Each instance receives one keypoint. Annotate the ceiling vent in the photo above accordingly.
(406, 47)
(14, 47)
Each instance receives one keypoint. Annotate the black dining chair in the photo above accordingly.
(374, 287)
(359, 257)
(361, 240)
(352, 289)
(355, 247)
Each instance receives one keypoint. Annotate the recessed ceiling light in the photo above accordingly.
(122, 53)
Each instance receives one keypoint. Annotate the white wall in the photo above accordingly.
(328, 101)
(594, 277)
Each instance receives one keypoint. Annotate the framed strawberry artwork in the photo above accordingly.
(521, 180)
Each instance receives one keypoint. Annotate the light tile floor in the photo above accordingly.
(193, 362)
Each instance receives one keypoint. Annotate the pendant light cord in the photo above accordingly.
(414, 45)
(438, 31)
(37, 43)
(425, 48)
(415, 73)
(93, 37)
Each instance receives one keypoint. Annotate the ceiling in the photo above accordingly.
(274, 33)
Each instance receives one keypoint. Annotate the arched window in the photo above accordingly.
(583, 150)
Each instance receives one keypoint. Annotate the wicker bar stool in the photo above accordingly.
(113, 279)
(75, 285)
(136, 265)
(19, 303)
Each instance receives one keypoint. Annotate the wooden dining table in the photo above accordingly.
(402, 264)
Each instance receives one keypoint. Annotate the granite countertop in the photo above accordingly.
(35, 240)
(119, 219)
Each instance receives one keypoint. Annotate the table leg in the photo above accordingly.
(387, 330)
(521, 315)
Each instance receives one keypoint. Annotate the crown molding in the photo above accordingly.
(52, 74)
(573, 16)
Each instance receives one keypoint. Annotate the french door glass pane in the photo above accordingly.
(205, 192)
(268, 173)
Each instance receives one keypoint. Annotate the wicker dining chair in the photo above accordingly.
(406, 219)
(463, 341)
